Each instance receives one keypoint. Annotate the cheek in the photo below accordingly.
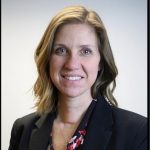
(93, 69)
(94, 64)
(94, 72)
(55, 65)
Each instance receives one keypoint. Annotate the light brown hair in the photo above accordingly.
(44, 90)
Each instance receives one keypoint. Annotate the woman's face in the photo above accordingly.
(74, 63)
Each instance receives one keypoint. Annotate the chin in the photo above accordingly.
(74, 93)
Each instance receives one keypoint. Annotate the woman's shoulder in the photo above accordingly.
(21, 126)
(27, 119)
(129, 122)
(31, 120)
(123, 115)
(120, 115)
(130, 127)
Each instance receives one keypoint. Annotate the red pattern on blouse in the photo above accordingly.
(78, 138)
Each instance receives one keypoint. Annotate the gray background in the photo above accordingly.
(23, 24)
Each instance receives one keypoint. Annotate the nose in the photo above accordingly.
(72, 63)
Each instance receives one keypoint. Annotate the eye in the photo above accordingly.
(86, 51)
(60, 51)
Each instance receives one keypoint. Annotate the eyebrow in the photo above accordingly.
(57, 44)
(80, 46)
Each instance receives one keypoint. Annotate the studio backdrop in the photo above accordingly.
(23, 24)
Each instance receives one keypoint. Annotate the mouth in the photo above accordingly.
(73, 78)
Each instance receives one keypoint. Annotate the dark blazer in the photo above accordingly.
(110, 128)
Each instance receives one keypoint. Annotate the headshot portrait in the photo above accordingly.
(74, 75)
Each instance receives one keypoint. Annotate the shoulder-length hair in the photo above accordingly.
(44, 90)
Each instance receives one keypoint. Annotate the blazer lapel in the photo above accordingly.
(98, 135)
(100, 127)
(40, 135)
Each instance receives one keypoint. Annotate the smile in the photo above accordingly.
(73, 78)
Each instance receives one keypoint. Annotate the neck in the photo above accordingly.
(71, 110)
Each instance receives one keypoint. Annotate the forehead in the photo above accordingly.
(76, 32)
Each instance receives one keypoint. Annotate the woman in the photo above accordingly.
(75, 105)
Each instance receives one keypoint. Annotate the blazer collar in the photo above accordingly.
(100, 127)
(98, 135)
(40, 135)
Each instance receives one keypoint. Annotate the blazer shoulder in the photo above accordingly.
(132, 126)
(127, 116)
(22, 124)
(27, 119)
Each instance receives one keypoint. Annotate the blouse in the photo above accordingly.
(79, 136)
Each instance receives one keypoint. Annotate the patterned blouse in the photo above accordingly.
(77, 139)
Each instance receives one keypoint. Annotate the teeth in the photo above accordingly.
(73, 78)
